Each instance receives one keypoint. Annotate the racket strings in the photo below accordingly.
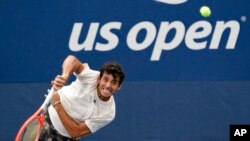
(31, 131)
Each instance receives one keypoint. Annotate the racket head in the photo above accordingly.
(31, 129)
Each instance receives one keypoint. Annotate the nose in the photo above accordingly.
(108, 84)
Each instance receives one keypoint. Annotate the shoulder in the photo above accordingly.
(87, 71)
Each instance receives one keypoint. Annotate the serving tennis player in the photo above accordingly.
(84, 106)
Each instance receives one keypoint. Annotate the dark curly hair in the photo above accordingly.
(113, 68)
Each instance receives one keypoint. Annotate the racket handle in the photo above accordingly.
(48, 98)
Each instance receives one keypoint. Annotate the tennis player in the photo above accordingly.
(84, 106)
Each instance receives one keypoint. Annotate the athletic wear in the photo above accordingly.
(81, 102)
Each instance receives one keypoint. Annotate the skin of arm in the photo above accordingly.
(74, 128)
(71, 64)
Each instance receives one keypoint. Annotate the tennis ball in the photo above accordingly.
(205, 11)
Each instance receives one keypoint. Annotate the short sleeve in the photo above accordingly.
(87, 75)
(95, 124)
(98, 123)
(84, 72)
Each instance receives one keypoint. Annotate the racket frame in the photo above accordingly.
(39, 115)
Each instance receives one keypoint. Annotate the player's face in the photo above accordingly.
(108, 85)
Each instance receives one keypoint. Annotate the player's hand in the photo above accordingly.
(59, 82)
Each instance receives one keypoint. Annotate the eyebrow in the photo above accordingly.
(115, 79)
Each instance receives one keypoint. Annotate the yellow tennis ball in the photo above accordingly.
(205, 11)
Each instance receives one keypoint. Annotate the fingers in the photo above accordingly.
(59, 82)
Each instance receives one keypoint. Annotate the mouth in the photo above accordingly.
(105, 94)
(106, 91)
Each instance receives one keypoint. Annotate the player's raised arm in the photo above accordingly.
(71, 64)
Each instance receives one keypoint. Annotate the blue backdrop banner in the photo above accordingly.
(153, 40)
(187, 76)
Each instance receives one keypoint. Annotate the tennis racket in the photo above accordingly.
(31, 129)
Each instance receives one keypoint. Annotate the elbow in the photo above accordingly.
(79, 132)
(71, 59)
(76, 64)
(74, 134)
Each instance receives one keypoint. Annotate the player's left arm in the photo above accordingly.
(71, 64)
(74, 128)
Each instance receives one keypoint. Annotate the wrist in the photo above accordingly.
(65, 76)
(56, 104)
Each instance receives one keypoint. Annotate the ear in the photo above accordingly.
(98, 79)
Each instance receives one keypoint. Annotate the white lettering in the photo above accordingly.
(160, 43)
(89, 41)
(220, 27)
(112, 38)
(198, 30)
(239, 132)
(133, 33)
(88, 44)
(195, 37)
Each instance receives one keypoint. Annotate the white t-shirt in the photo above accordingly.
(81, 102)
